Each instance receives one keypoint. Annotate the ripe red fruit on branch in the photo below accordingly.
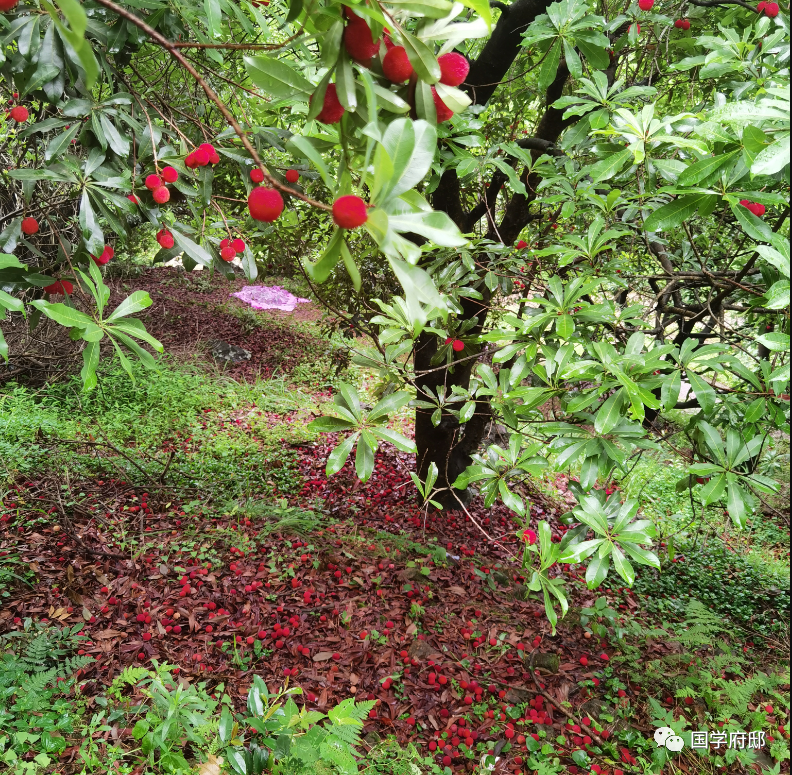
(165, 239)
(453, 68)
(771, 10)
(292, 176)
(442, 110)
(7, 5)
(396, 65)
(256, 175)
(754, 207)
(227, 253)
(20, 113)
(358, 41)
(170, 174)
(161, 195)
(645, 5)
(107, 254)
(153, 182)
(349, 212)
(457, 345)
(238, 245)
(265, 204)
(332, 109)
(62, 287)
(30, 226)
(521, 245)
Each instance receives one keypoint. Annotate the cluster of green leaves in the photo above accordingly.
(37, 665)
(293, 740)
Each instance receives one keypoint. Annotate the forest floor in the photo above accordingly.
(187, 519)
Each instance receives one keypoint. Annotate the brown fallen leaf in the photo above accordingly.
(104, 634)
(212, 766)
(322, 656)
(457, 591)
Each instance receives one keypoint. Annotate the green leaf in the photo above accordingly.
(775, 341)
(337, 458)
(608, 167)
(277, 78)
(329, 425)
(422, 58)
(364, 460)
(306, 148)
(431, 9)
(90, 362)
(703, 169)
(320, 271)
(705, 394)
(670, 389)
(623, 566)
(398, 441)
(482, 8)
(389, 404)
(753, 226)
(194, 251)
(772, 159)
(226, 725)
(674, 213)
(63, 315)
(345, 82)
(550, 64)
(609, 414)
(133, 303)
(713, 489)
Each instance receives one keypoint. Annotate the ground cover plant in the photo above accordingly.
(509, 494)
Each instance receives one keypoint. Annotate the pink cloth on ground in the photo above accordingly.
(269, 297)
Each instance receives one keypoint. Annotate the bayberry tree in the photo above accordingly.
(563, 220)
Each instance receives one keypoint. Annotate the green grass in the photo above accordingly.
(158, 409)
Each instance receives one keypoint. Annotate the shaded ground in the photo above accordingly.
(189, 311)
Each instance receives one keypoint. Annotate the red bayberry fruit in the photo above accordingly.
(453, 68)
(238, 245)
(584, 661)
(332, 109)
(685, 24)
(358, 41)
(107, 254)
(170, 174)
(265, 204)
(20, 113)
(165, 239)
(457, 345)
(256, 175)
(62, 287)
(442, 110)
(771, 10)
(292, 176)
(760, 7)
(30, 226)
(228, 254)
(153, 182)
(200, 157)
(645, 5)
(396, 65)
(521, 245)
(5, 6)
(349, 212)
(161, 195)
(637, 29)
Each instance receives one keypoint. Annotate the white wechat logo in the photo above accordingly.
(666, 737)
